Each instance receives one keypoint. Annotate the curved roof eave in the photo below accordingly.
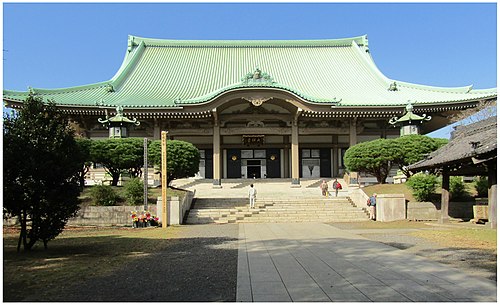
(208, 98)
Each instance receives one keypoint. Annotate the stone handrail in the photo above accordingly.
(357, 195)
(176, 209)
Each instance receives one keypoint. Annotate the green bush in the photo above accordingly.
(134, 190)
(457, 188)
(103, 195)
(482, 187)
(423, 186)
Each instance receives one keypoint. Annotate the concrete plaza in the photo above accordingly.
(306, 262)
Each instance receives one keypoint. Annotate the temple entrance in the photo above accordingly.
(253, 163)
(253, 169)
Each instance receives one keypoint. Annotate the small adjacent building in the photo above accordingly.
(472, 151)
(257, 108)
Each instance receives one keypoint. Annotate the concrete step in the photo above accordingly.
(236, 210)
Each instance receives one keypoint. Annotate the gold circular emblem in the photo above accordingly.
(234, 158)
(273, 157)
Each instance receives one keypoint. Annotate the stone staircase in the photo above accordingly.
(237, 210)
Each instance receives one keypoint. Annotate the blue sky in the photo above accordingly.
(54, 45)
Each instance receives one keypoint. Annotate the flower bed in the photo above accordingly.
(144, 219)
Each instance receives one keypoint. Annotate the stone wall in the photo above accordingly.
(102, 216)
(415, 210)
(431, 211)
(422, 211)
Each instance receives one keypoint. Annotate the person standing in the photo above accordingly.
(324, 188)
(372, 203)
(336, 186)
(252, 194)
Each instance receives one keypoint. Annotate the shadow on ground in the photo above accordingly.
(183, 269)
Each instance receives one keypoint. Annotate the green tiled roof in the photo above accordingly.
(169, 73)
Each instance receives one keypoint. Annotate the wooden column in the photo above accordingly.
(286, 157)
(216, 153)
(335, 156)
(295, 156)
(352, 132)
(295, 149)
(445, 196)
(492, 194)
(353, 140)
(156, 130)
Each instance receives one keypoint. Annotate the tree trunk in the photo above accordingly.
(82, 180)
(379, 175)
(116, 177)
(22, 234)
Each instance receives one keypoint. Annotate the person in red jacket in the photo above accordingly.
(336, 186)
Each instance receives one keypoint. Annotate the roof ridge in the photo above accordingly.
(360, 40)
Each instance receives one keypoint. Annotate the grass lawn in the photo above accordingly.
(480, 238)
(460, 236)
(77, 254)
(390, 189)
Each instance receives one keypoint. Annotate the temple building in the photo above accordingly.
(257, 108)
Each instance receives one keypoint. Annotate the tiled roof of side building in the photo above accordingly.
(468, 141)
(168, 73)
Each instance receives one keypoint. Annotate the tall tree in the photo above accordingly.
(373, 157)
(119, 156)
(40, 171)
(412, 148)
(183, 158)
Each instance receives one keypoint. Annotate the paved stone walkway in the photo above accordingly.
(305, 262)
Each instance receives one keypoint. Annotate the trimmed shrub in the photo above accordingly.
(423, 186)
(134, 190)
(103, 195)
(482, 186)
(457, 188)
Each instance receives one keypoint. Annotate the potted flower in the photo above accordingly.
(143, 220)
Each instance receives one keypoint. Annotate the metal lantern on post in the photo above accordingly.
(410, 122)
(118, 124)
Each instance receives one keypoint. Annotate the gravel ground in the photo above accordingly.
(476, 262)
(200, 266)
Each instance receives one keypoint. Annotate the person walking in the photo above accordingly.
(372, 203)
(324, 188)
(336, 186)
(252, 194)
